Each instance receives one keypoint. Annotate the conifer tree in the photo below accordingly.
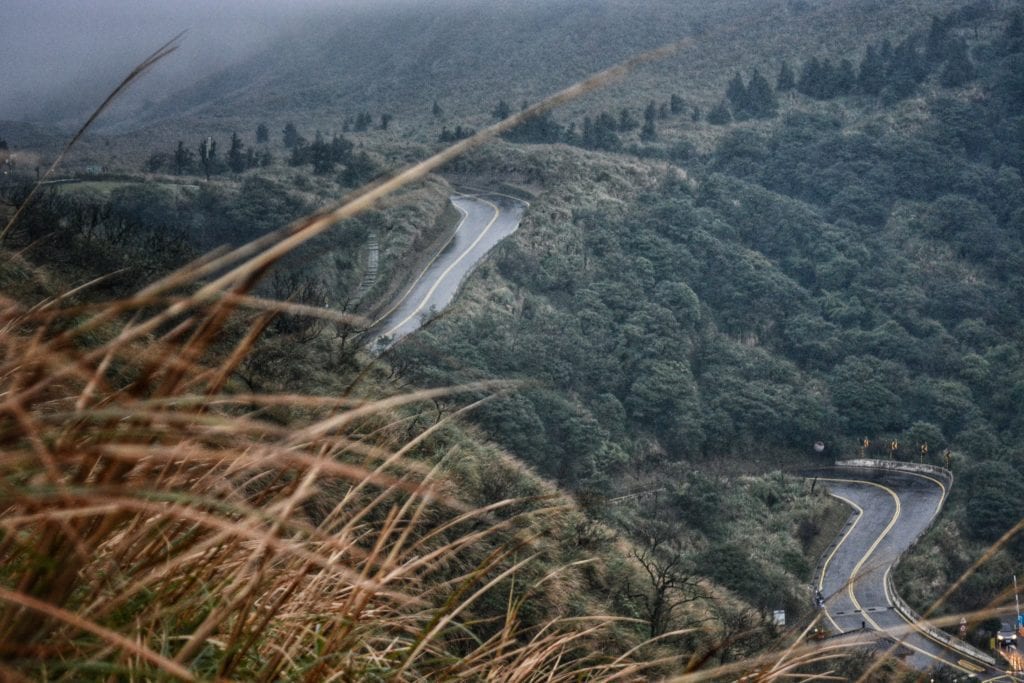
(183, 159)
(627, 121)
(786, 80)
(958, 69)
(290, 135)
(262, 134)
(844, 78)
(810, 78)
(236, 154)
(736, 92)
(719, 114)
(320, 156)
(649, 132)
(676, 104)
(871, 75)
(501, 110)
(761, 100)
(208, 155)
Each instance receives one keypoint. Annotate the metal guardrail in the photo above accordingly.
(952, 642)
(898, 603)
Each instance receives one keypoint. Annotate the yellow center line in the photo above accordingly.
(860, 564)
(885, 585)
(442, 276)
(824, 568)
(465, 215)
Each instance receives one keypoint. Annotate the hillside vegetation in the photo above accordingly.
(846, 270)
(804, 227)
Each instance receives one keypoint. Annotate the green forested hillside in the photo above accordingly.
(806, 226)
(849, 270)
(401, 58)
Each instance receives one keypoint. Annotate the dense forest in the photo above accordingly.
(849, 274)
(817, 254)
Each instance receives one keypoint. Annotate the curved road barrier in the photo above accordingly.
(487, 218)
(894, 503)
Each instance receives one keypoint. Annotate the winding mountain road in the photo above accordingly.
(892, 508)
(487, 218)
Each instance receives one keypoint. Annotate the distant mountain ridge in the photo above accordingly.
(467, 55)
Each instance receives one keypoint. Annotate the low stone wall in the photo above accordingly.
(900, 466)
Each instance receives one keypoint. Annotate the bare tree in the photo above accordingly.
(304, 290)
(671, 580)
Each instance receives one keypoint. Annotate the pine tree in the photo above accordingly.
(290, 135)
(871, 76)
(183, 159)
(362, 122)
(3, 144)
(844, 78)
(436, 110)
(320, 156)
(208, 155)
(603, 134)
(810, 78)
(540, 128)
(958, 70)
(627, 121)
(736, 92)
(359, 170)
(908, 67)
(719, 114)
(676, 104)
(262, 134)
(385, 121)
(650, 111)
(761, 99)
(236, 154)
(501, 110)
(649, 132)
(786, 80)
(341, 149)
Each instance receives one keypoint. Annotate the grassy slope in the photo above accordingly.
(620, 178)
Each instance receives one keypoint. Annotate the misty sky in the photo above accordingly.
(57, 51)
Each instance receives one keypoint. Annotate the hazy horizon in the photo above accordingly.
(63, 57)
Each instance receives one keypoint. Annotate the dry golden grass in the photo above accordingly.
(154, 525)
(151, 521)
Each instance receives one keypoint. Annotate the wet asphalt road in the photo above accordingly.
(892, 509)
(487, 218)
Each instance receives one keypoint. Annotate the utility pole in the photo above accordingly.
(1016, 600)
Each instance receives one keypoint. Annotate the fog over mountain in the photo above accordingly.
(62, 57)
